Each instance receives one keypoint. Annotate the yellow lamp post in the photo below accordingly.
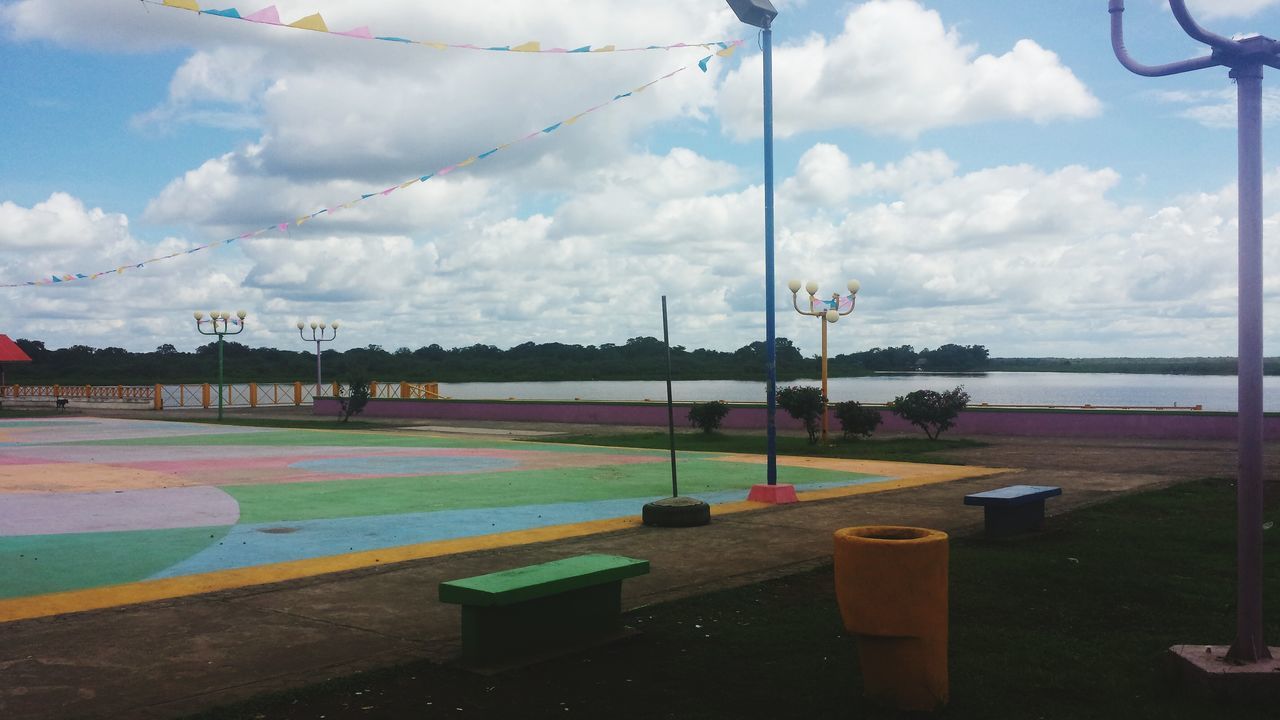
(827, 311)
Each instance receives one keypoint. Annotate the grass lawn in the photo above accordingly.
(1072, 622)
(904, 449)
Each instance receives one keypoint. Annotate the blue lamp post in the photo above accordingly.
(760, 13)
(1245, 57)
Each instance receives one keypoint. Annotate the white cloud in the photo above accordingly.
(896, 69)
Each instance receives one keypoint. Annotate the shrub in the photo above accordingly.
(354, 403)
(804, 403)
(930, 410)
(857, 421)
(708, 415)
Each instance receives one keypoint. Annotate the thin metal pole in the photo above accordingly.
(318, 382)
(1249, 645)
(771, 356)
(215, 326)
(671, 416)
(823, 319)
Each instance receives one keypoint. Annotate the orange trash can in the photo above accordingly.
(891, 584)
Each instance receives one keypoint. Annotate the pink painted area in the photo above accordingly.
(159, 509)
(255, 466)
(780, 494)
(1169, 425)
(15, 460)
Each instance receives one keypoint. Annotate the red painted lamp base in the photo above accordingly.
(779, 494)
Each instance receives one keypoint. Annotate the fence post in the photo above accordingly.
(373, 388)
(119, 392)
(404, 390)
(253, 394)
(336, 389)
(57, 391)
(204, 395)
(297, 393)
(433, 391)
(157, 400)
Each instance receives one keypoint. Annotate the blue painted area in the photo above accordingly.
(263, 543)
(406, 465)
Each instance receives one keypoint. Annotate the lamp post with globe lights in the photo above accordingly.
(318, 336)
(219, 323)
(827, 311)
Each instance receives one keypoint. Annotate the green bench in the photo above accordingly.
(538, 609)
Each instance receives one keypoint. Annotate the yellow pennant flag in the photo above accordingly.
(184, 4)
(311, 22)
(531, 46)
(727, 51)
(605, 48)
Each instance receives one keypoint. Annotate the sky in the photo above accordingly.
(987, 171)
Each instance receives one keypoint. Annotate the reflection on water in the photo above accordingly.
(1212, 392)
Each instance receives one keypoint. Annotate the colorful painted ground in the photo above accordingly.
(99, 512)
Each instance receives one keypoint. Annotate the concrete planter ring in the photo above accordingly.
(891, 584)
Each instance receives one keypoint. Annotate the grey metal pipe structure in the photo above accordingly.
(1245, 57)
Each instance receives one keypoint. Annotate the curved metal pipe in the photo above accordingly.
(1116, 8)
(1192, 28)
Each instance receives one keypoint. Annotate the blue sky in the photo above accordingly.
(986, 169)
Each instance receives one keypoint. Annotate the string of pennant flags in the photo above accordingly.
(314, 22)
(843, 304)
(724, 49)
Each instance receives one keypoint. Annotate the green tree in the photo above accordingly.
(929, 410)
(804, 403)
(857, 420)
(354, 403)
(708, 415)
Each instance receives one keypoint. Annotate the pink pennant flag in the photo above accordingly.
(268, 15)
(446, 171)
(283, 227)
(361, 32)
(388, 191)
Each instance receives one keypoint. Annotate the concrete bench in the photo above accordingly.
(542, 608)
(1013, 509)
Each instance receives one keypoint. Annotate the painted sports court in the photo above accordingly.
(98, 512)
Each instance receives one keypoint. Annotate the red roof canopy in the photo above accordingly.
(10, 352)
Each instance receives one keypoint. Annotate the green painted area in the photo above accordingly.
(388, 496)
(38, 564)
(317, 438)
(536, 581)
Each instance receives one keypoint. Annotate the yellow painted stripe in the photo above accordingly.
(35, 606)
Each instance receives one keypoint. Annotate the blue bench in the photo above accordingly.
(1013, 509)
(536, 610)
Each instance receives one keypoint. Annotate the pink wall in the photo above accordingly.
(978, 421)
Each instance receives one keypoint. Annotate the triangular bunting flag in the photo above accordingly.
(184, 4)
(268, 15)
(310, 22)
(531, 46)
(228, 13)
(361, 32)
(605, 48)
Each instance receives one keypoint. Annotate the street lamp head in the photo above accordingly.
(301, 324)
(314, 324)
(198, 315)
(832, 316)
(794, 285)
(811, 287)
(757, 13)
(854, 287)
(323, 325)
(241, 314)
(334, 325)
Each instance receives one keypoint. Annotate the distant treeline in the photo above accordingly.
(1163, 366)
(640, 358)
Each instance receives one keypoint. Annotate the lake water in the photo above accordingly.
(1212, 392)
